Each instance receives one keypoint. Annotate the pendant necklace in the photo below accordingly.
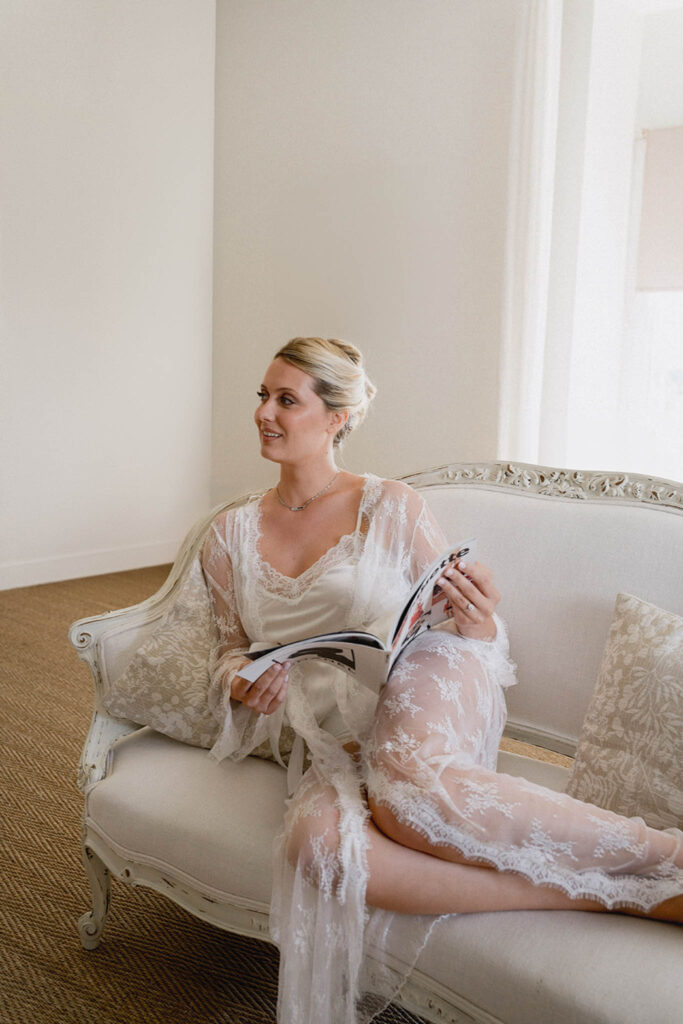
(300, 508)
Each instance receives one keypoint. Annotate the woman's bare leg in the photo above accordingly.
(433, 788)
(414, 881)
(410, 881)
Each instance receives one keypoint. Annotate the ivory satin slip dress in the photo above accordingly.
(429, 744)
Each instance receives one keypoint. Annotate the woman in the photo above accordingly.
(401, 815)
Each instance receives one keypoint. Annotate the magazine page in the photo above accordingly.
(363, 654)
(359, 653)
(427, 605)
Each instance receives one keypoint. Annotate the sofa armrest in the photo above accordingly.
(109, 641)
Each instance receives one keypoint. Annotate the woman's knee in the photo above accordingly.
(387, 822)
(408, 805)
(431, 677)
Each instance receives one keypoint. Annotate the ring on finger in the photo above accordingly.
(469, 606)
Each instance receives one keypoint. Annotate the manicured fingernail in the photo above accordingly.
(463, 565)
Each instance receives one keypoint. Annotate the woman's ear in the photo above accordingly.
(337, 420)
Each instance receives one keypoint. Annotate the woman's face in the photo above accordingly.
(294, 423)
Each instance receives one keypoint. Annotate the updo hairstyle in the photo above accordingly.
(338, 376)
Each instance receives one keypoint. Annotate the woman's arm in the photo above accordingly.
(228, 656)
(470, 589)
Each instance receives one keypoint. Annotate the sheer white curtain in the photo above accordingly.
(530, 211)
(592, 345)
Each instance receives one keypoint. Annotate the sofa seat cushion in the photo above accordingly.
(171, 806)
(564, 967)
(147, 809)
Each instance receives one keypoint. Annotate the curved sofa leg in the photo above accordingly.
(91, 926)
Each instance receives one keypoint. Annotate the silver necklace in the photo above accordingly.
(300, 508)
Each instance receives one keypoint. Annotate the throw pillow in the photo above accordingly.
(630, 753)
(166, 684)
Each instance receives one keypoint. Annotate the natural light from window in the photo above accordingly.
(652, 385)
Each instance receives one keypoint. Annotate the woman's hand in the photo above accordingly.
(472, 599)
(267, 693)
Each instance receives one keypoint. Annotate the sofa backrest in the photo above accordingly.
(562, 545)
(560, 558)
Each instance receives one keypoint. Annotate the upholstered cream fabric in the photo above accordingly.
(517, 967)
(556, 967)
(558, 564)
(166, 684)
(147, 809)
(171, 806)
(630, 753)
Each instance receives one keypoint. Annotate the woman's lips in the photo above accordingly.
(270, 436)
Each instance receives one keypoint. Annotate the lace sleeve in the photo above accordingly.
(427, 542)
(233, 643)
(242, 730)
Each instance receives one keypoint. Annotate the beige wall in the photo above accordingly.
(361, 180)
(106, 226)
(360, 192)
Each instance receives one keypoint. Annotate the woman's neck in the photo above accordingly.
(298, 483)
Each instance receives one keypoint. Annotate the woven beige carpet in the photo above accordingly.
(156, 963)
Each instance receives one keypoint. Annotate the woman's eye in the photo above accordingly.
(284, 399)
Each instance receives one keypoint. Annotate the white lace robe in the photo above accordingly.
(429, 745)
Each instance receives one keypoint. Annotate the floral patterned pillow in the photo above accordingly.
(630, 753)
(166, 684)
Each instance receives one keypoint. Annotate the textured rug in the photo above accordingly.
(156, 963)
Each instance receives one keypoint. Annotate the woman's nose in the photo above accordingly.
(265, 411)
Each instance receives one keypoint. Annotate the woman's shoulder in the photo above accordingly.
(396, 497)
(237, 511)
(230, 521)
(391, 488)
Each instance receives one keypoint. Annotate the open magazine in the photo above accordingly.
(364, 654)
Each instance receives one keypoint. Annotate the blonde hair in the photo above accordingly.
(339, 377)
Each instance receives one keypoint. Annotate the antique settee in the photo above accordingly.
(161, 813)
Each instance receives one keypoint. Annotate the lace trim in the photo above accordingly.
(291, 588)
(535, 860)
(372, 492)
